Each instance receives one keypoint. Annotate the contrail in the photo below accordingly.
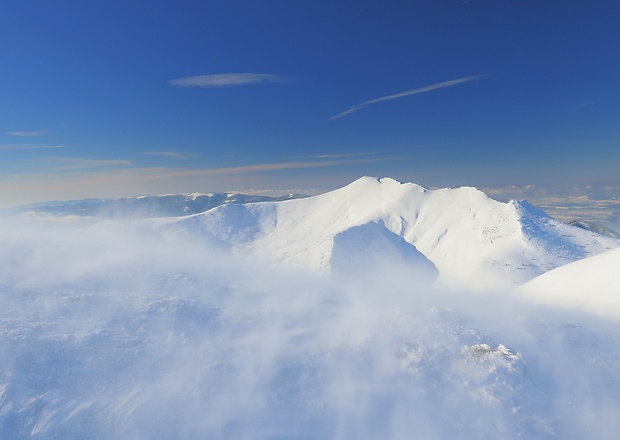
(440, 85)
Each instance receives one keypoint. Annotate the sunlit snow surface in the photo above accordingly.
(591, 284)
(123, 331)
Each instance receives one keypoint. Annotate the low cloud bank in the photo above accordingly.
(127, 329)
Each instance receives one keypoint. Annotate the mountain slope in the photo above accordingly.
(471, 239)
(591, 284)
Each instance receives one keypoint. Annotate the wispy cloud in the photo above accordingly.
(584, 104)
(227, 79)
(77, 163)
(29, 147)
(265, 167)
(74, 178)
(173, 154)
(440, 85)
(339, 156)
(26, 133)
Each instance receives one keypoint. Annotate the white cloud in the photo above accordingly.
(440, 85)
(226, 79)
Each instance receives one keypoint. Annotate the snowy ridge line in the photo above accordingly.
(463, 235)
(472, 239)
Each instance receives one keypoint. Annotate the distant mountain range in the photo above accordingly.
(171, 205)
(589, 226)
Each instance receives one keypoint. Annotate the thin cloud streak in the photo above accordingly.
(169, 154)
(339, 156)
(440, 85)
(26, 133)
(30, 147)
(584, 104)
(226, 80)
(246, 169)
(76, 163)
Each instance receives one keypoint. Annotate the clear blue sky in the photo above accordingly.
(112, 98)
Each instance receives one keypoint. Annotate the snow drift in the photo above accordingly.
(140, 333)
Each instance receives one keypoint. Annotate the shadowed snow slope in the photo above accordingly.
(472, 240)
(361, 250)
(592, 285)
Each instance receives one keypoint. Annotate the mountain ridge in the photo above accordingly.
(472, 239)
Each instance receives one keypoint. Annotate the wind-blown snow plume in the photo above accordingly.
(134, 330)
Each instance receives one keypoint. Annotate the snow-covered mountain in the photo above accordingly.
(591, 284)
(472, 239)
(154, 329)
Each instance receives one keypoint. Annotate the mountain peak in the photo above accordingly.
(526, 207)
(368, 183)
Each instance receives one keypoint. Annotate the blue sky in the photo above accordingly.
(118, 98)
